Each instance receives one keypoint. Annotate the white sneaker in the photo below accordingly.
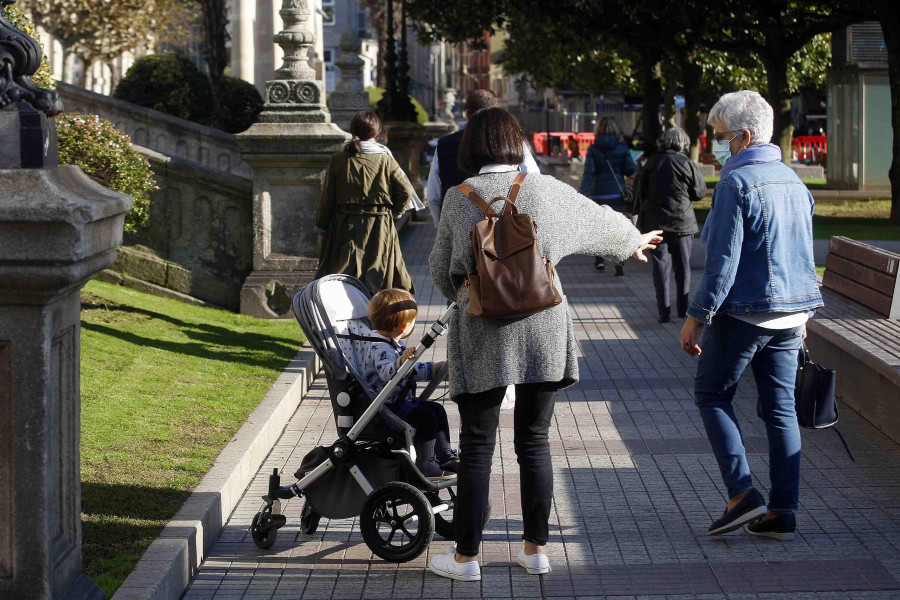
(535, 564)
(445, 565)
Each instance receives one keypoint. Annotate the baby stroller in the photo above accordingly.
(369, 471)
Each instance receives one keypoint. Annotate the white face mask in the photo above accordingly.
(722, 150)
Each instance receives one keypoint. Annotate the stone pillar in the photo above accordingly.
(349, 96)
(288, 148)
(57, 229)
(405, 140)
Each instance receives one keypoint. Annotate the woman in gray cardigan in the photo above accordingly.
(537, 353)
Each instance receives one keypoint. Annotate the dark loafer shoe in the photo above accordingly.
(780, 527)
(751, 507)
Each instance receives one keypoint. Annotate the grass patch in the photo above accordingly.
(857, 219)
(164, 386)
(812, 183)
(820, 270)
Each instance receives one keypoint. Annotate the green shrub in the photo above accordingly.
(42, 78)
(169, 83)
(241, 104)
(375, 94)
(105, 154)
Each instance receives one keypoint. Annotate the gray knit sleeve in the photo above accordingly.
(578, 225)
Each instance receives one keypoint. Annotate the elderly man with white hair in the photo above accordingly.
(751, 307)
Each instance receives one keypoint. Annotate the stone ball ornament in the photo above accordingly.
(20, 58)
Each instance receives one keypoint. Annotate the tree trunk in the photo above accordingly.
(651, 73)
(779, 97)
(669, 119)
(215, 51)
(692, 75)
(890, 26)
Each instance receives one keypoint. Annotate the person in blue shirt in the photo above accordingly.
(607, 164)
(445, 172)
(758, 290)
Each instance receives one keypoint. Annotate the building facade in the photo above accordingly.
(859, 107)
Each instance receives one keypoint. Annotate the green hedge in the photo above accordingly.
(376, 93)
(172, 84)
(105, 154)
(241, 104)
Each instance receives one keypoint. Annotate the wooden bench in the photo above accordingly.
(858, 331)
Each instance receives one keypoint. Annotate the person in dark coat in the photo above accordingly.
(607, 164)
(364, 190)
(666, 186)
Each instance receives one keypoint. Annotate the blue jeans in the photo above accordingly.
(729, 345)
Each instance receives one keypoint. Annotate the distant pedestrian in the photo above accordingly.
(574, 150)
(536, 353)
(364, 190)
(607, 164)
(445, 172)
(665, 187)
(757, 292)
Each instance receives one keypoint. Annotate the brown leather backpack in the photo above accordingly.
(512, 278)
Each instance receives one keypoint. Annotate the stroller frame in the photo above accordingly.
(422, 496)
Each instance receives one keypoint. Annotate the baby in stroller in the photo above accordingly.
(393, 313)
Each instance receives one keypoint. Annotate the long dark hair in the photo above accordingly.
(365, 126)
(492, 136)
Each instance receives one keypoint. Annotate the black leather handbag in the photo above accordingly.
(814, 399)
(814, 393)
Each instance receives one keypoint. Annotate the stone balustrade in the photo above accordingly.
(160, 132)
(199, 240)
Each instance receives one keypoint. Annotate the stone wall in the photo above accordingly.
(160, 132)
(199, 240)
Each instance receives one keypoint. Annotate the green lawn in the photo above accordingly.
(813, 184)
(164, 386)
(857, 219)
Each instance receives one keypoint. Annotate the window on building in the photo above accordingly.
(328, 12)
(328, 59)
(362, 25)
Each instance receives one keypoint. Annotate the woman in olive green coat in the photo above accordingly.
(364, 191)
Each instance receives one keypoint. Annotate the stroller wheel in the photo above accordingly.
(309, 519)
(396, 522)
(443, 521)
(264, 529)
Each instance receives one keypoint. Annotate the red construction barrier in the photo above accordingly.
(804, 148)
(809, 148)
(584, 141)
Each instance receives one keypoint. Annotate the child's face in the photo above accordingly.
(408, 329)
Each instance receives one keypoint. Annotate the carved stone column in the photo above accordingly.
(349, 96)
(288, 149)
(57, 229)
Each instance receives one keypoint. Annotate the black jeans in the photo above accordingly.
(675, 249)
(480, 415)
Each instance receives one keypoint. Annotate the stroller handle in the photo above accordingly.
(437, 329)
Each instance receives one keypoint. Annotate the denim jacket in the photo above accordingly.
(759, 244)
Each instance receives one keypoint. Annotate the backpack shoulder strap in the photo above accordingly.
(477, 200)
(516, 186)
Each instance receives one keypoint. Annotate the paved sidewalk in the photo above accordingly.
(636, 486)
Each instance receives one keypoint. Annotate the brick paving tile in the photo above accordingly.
(636, 486)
